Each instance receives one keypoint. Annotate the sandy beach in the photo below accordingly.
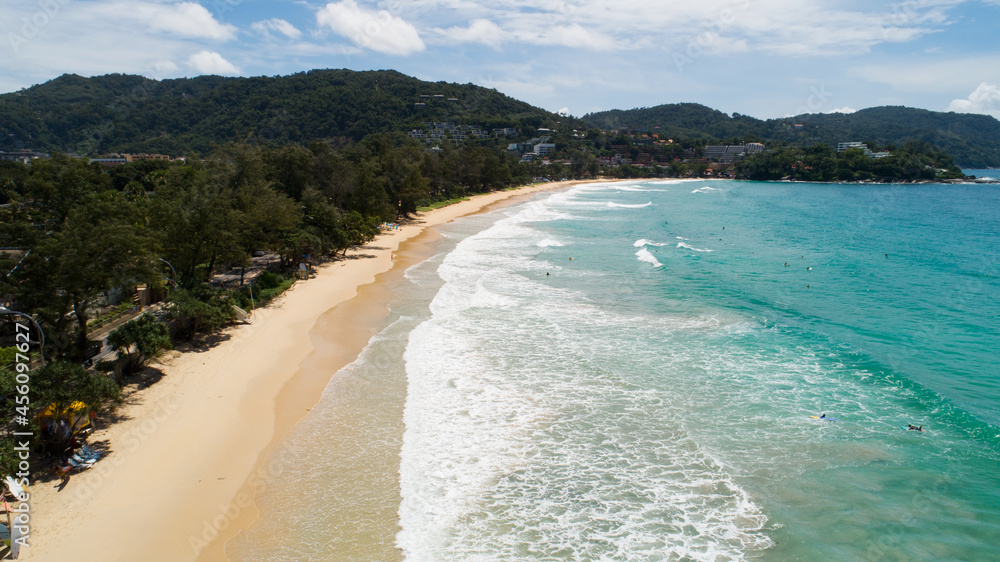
(186, 454)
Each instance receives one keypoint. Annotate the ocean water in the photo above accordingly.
(626, 371)
(983, 173)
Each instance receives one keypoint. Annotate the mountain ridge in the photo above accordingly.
(128, 113)
(118, 113)
(972, 139)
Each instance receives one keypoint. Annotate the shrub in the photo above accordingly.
(138, 342)
(7, 356)
(199, 311)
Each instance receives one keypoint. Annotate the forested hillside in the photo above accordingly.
(972, 140)
(122, 113)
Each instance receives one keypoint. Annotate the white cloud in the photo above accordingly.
(187, 19)
(942, 76)
(379, 31)
(845, 109)
(573, 35)
(279, 25)
(985, 99)
(479, 31)
(163, 68)
(209, 62)
(781, 27)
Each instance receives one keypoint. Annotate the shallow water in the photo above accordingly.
(626, 371)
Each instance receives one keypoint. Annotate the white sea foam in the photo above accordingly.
(644, 255)
(689, 247)
(614, 205)
(644, 242)
(550, 243)
(705, 189)
(507, 439)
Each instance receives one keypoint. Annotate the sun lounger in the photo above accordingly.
(14, 487)
(83, 460)
(87, 455)
(90, 452)
(80, 465)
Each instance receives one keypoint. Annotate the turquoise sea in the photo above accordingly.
(626, 371)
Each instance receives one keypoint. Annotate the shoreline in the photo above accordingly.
(186, 452)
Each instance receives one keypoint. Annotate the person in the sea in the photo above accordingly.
(915, 428)
(822, 417)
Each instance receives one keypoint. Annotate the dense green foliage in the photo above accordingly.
(972, 140)
(263, 290)
(201, 311)
(321, 162)
(87, 231)
(85, 238)
(138, 342)
(55, 387)
(820, 163)
(122, 113)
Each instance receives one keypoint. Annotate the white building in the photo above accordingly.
(544, 148)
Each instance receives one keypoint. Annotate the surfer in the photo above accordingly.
(822, 417)
(914, 428)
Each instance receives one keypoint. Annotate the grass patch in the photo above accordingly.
(265, 289)
(439, 204)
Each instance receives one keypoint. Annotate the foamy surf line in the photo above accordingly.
(614, 205)
(692, 248)
(499, 442)
(550, 243)
(644, 242)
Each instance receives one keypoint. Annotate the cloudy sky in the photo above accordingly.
(766, 58)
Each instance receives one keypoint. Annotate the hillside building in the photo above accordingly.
(845, 146)
(730, 153)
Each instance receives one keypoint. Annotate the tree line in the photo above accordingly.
(76, 233)
(86, 230)
(912, 162)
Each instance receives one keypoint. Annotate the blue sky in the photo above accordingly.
(765, 58)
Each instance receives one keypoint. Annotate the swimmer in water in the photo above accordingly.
(914, 428)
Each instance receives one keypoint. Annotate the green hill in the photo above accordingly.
(972, 140)
(122, 113)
